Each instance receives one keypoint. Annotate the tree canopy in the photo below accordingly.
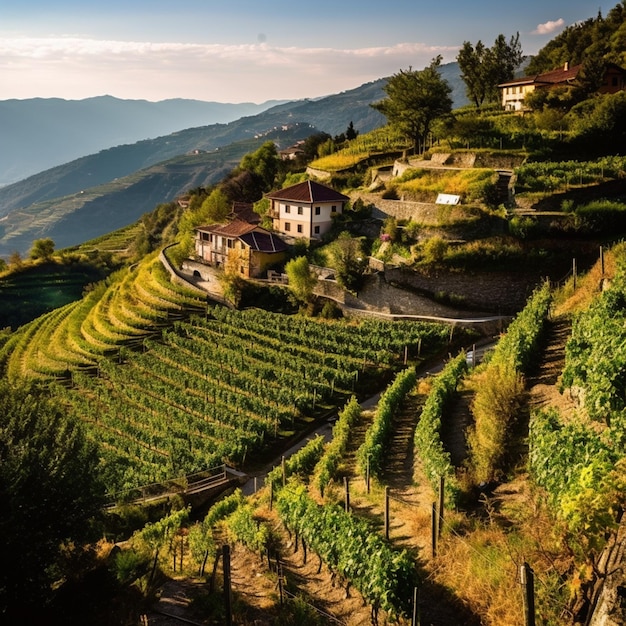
(483, 69)
(414, 100)
(49, 491)
(347, 258)
(301, 280)
(599, 38)
(42, 249)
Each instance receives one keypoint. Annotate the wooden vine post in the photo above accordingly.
(415, 621)
(282, 463)
(387, 512)
(527, 578)
(346, 482)
(227, 585)
(442, 486)
(433, 530)
(602, 260)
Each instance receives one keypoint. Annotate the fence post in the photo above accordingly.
(387, 512)
(227, 589)
(433, 529)
(280, 582)
(527, 578)
(416, 616)
(442, 486)
(602, 260)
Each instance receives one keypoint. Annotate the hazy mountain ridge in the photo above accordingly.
(89, 213)
(30, 208)
(40, 133)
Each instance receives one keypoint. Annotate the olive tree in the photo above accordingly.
(302, 280)
(415, 99)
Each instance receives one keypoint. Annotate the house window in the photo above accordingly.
(317, 230)
(299, 228)
(287, 209)
(318, 210)
(287, 226)
(299, 210)
(333, 209)
(229, 243)
(204, 236)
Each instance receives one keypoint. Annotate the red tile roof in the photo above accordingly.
(236, 228)
(245, 211)
(309, 192)
(559, 76)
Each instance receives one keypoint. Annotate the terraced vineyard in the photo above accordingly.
(123, 310)
(168, 386)
(222, 386)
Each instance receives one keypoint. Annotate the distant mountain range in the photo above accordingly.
(96, 194)
(40, 133)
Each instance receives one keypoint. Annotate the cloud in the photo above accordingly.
(548, 28)
(152, 70)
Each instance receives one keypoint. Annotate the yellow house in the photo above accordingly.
(514, 91)
(239, 247)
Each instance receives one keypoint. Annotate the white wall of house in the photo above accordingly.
(513, 96)
(306, 220)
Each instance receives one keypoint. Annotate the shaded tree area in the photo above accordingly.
(483, 69)
(599, 39)
(254, 176)
(415, 99)
(50, 495)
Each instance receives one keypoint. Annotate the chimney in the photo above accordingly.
(566, 66)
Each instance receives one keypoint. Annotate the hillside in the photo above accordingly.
(71, 218)
(41, 133)
(54, 187)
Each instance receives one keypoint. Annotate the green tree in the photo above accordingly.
(472, 61)
(351, 133)
(50, 493)
(311, 144)
(483, 69)
(264, 163)
(302, 280)
(42, 249)
(348, 260)
(415, 99)
(215, 208)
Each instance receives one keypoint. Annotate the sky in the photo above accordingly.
(249, 50)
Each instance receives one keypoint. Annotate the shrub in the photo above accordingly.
(496, 404)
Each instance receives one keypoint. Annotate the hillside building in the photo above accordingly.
(514, 91)
(239, 247)
(305, 210)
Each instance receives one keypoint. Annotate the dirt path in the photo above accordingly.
(542, 384)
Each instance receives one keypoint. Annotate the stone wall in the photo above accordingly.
(378, 297)
(426, 213)
(493, 292)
